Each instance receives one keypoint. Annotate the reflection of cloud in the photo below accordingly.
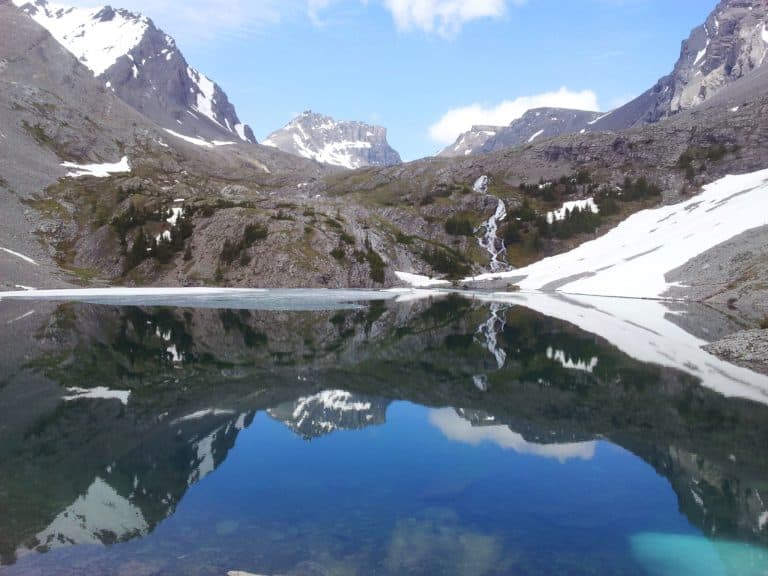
(439, 541)
(456, 428)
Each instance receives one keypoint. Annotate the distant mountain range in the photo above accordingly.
(534, 124)
(727, 47)
(339, 143)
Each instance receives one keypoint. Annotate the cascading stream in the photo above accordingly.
(490, 240)
(487, 334)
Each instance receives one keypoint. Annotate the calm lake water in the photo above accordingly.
(430, 436)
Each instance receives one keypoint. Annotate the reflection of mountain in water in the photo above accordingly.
(330, 410)
(475, 427)
(197, 377)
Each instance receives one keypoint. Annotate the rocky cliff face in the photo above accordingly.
(144, 67)
(730, 45)
(338, 143)
(535, 124)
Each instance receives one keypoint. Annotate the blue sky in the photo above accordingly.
(425, 69)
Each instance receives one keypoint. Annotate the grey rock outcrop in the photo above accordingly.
(144, 67)
(730, 45)
(338, 143)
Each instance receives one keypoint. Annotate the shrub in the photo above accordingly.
(458, 225)
(446, 262)
(254, 232)
(338, 253)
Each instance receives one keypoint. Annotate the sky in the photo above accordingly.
(425, 69)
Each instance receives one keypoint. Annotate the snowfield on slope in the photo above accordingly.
(97, 170)
(632, 259)
(89, 34)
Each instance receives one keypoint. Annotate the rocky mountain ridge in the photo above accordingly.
(730, 45)
(144, 67)
(347, 144)
(536, 123)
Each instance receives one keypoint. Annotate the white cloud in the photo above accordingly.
(457, 429)
(444, 17)
(459, 120)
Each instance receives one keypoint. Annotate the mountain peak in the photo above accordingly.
(143, 66)
(348, 144)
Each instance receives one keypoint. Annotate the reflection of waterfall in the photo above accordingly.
(487, 334)
(489, 239)
(490, 330)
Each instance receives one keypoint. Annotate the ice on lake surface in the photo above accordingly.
(362, 432)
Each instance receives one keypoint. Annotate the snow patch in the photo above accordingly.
(190, 139)
(560, 213)
(765, 34)
(200, 414)
(97, 170)
(420, 281)
(98, 393)
(539, 133)
(240, 130)
(206, 95)
(19, 255)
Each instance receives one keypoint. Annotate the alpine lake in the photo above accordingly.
(314, 433)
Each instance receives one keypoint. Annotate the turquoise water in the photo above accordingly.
(381, 440)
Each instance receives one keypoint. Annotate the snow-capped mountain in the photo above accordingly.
(143, 66)
(540, 123)
(537, 123)
(731, 44)
(470, 142)
(339, 143)
(330, 410)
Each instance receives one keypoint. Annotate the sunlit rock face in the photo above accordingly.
(338, 143)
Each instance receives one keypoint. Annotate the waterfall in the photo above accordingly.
(490, 241)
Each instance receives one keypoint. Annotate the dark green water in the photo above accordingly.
(439, 437)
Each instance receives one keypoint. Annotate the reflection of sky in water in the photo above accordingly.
(424, 493)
